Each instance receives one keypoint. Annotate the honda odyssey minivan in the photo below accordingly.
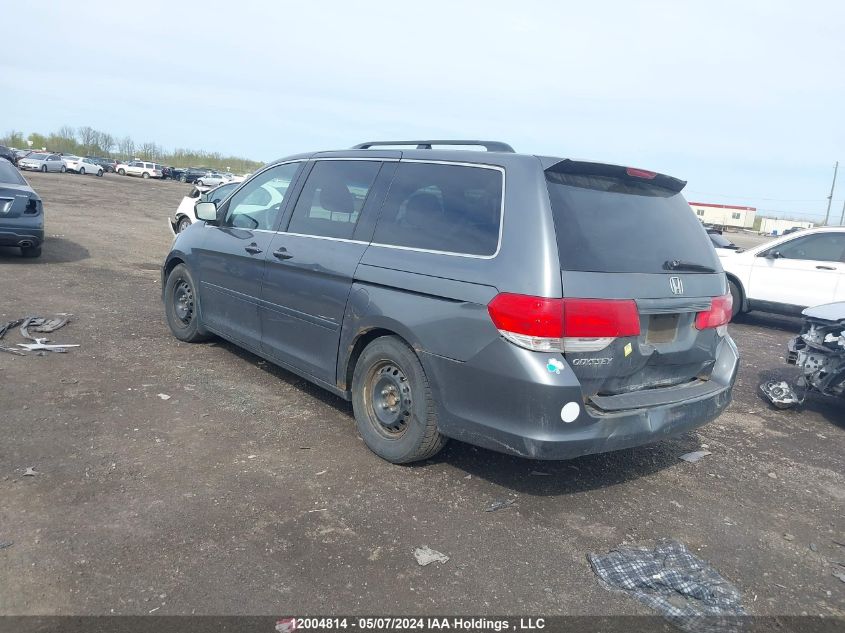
(537, 306)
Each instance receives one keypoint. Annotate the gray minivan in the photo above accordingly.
(537, 306)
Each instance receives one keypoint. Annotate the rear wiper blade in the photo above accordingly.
(677, 264)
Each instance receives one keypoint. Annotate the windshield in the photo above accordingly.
(37, 156)
(721, 242)
(609, 224)
(9, 174)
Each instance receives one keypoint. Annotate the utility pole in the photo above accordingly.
(830, 197)
(842, 217)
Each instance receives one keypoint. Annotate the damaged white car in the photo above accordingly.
(185, 214)
(819, 351)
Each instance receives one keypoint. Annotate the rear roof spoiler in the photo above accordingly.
(490, 146)
(632, 174)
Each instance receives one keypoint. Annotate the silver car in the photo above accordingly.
(42, 162)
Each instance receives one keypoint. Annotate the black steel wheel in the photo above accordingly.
(181, 306)
(394, 408)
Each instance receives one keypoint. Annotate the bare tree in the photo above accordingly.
(127, 147)
(88, 138)
(67, 133)
(148, 151)
(105, 142)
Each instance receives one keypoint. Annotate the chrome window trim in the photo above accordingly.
(501, 212)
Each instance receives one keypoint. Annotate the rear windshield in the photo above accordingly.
(608, 224)
(9, 174)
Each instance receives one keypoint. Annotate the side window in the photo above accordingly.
(218, 195)
(332, 198)
(449, 208)
(825, 247)
(257, 204)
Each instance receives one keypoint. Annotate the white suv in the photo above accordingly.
(140, 168)
(788, 274)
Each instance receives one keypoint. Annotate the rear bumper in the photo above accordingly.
(17, 236)
(507, 400)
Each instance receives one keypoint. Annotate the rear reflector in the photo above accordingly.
(719, 313)
(576, 325)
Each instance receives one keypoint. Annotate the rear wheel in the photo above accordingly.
(393, 405)
(145, 175)
(31, 251)
(44, 168)
(81, 171)
(181, 306)
(736, 295)
(63, 169)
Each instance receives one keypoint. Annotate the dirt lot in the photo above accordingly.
(249, 491)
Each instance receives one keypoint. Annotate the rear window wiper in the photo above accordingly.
(677, 264)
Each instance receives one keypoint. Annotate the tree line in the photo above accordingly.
(86, 141)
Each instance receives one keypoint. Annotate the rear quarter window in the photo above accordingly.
(440, 207)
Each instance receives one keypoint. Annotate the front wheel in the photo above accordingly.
(181, 306)
(122, 172)
(184, 223)
(99, 173)
(394, 408)
(183, 179)
(200, 183)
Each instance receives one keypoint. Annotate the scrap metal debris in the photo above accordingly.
(670, 579)
(30, 472)
(36, 324)
(694, 456)
(5, 544)
(425, 556)
(499, 505)
(780, 394)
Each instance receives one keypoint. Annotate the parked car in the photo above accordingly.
(21, 212)
(42, 161)
(579, 310)
(185, 214)
(790, 273)
(176, 173)
(8, 154)
(720, 241)
(21, 153)
(82, 165)
(792, 229)
(140, 168)
(192, 174)
(212, 179)
(108, 164)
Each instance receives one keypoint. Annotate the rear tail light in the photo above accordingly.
(641, 173)
(718, 315)
(563, 325)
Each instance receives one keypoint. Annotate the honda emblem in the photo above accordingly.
(676, 285)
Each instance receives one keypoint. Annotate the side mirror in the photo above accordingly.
(206, 211)
(775, 254)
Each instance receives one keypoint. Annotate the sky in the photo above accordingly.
(743, 100)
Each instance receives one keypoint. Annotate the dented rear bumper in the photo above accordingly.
(530, 404)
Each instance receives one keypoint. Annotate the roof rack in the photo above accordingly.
(490, 146)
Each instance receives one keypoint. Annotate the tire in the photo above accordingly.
(183, 179)
(393, 405)
(63, 169)
(736, 295)
(122, 172)
(99, 173)
(145, 175)
(183, 223)
(81, 171)
(181, 306)
(31, 251)
(44, 168)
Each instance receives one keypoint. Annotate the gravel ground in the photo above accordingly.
(248, 491)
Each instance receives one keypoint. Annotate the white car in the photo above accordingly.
(82, 166)
(212, 179)
(788, 274)
(140, 168)
(42, 161)
(185, 214)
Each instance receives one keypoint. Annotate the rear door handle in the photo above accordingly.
(826, 267)
(282, 253)
(253, 249)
